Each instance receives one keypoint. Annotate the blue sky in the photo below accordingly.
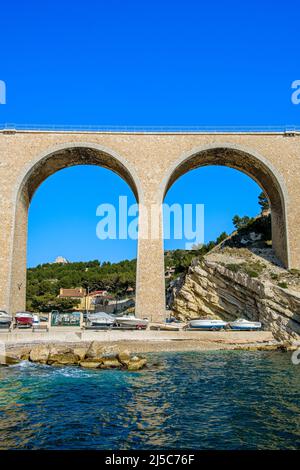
(62, 215)
(145, 63)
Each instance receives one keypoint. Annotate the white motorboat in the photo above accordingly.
(100, 319)
(36, 320)
(244, 325)
(207, 324)
(131, 321)
(5, 319)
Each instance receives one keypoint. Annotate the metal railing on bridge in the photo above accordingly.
(280, 129)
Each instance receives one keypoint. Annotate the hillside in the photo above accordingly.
(241, 277)
(45, 280)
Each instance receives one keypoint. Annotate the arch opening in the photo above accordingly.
(256, 168)
(201, 288)
(71, 156)
(39, 171)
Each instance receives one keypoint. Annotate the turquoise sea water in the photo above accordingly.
(203, 400)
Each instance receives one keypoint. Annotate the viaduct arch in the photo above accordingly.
(252, 164)
(150, 163)
(36, 173)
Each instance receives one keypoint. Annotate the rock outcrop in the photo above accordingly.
(8, 360)
(136, 363)
(91, 363)
(97, 349)
(63, 359)
(227, 286)
(40, 353)
(93, 356)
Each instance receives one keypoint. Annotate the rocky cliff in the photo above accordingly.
(231, 283)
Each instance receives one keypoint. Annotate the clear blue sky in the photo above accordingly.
(144, 63)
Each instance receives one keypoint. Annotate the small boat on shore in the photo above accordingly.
(24, 319)
(5, 319)
(207, 324)
(131, 321)
(164, 327)
(100, 319)
(244, 325)
(36, 320)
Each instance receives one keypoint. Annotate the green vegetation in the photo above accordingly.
(259, 224)
(251, 272)
(274, 276)
(221, 238)
(44, 281)
(263, 201)
(234, 267)
(294, 272)
(241, 222)
(253, 269)
(48, 302)
(181, 259)
(283, 285)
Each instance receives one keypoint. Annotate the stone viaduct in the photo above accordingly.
(150, 163)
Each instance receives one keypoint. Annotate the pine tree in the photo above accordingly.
(263, 201)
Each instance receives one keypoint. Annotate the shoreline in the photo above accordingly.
(144, 341)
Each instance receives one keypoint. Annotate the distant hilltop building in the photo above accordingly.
(61, 260)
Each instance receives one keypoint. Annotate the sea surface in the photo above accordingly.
(191, 400)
